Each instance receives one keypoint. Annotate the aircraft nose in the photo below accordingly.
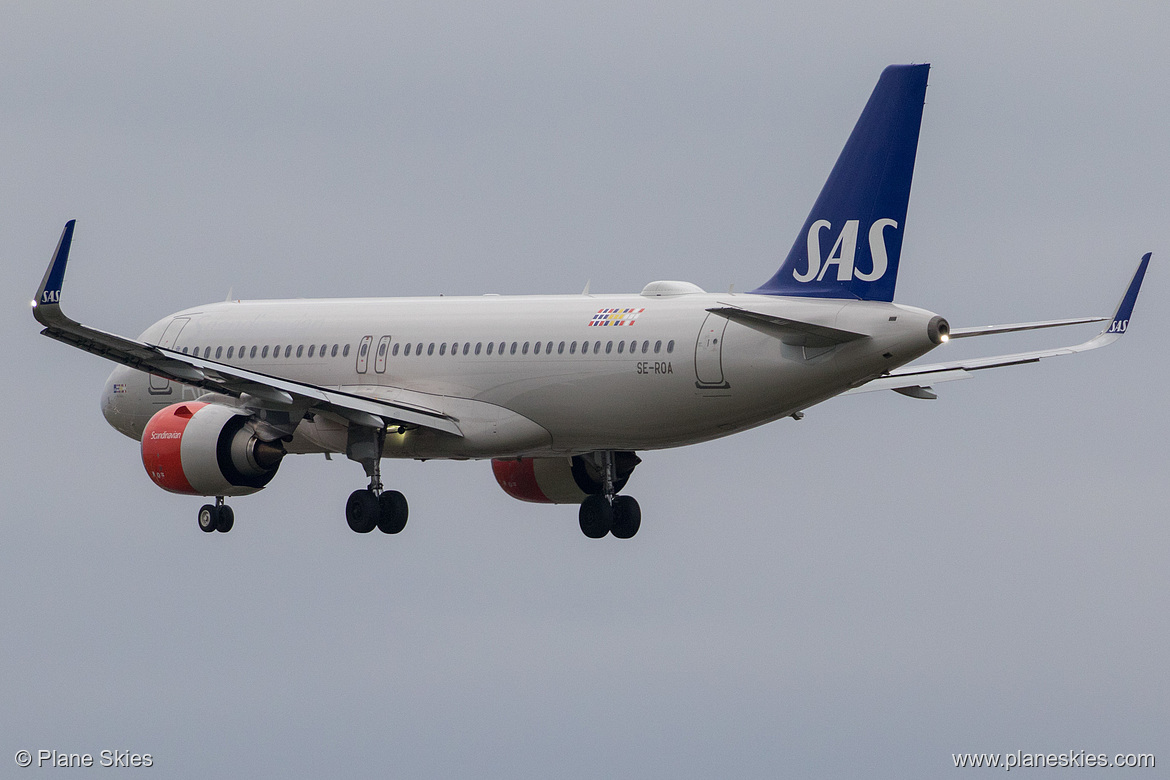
(117, 402)
(109, 400)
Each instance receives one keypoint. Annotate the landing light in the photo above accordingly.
(945, 338)
(33, 304)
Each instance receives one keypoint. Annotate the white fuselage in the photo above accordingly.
(535, 375)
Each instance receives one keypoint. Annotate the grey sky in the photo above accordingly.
(862, 593)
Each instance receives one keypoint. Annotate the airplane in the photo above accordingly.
(560, 392)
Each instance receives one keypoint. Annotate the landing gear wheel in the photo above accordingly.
(627, 517)
(361, 511)
(392, 512)
(596, 516)
(208, 518)
(225, 520)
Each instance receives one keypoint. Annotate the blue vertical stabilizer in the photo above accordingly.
(850, 244)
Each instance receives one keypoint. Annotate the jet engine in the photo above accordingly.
(560, 480)
(207, 449)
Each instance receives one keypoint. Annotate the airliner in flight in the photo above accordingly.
(559, 392)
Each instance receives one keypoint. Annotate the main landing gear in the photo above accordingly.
(607, 513)
(216, 517)
(374, 508)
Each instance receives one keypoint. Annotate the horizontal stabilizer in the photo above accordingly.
(793, 332)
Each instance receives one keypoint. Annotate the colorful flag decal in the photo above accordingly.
(616, 317)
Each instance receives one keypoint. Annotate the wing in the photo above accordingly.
(915, 380)
(214, 376)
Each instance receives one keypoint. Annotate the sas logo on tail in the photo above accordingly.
(844, 252)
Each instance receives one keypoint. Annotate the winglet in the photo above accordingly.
(48, 300)
(1121, 317)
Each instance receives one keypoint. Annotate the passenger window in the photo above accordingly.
(548, 348)
(264, 352)
(621, 347)
(596, 347)
(454, 347)
(466, 347)
(657, 347)
(252, 354)
(406, 350)
(491, 346)
(312, 349)
(561, 348)
(608, 347)
(241, 352)
(443, 348)
(229, 354)
(362, 351)
(670, 346)
(645, 347)
(397, 348)
(184, 350)
(431, 349)
(323, 349)
(477, 345)
(382, 349)
(500, 350)
(300, 350)
(572, 348)
(536, 348)
(333, 352)
(524, 349)
(218, 352)
(345, 351)
(513, 352)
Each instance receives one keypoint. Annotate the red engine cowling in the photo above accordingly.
(559, 480)
(205, 449)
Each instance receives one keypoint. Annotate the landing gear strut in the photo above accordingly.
(604, 513)
(216, 517)
(374, 508)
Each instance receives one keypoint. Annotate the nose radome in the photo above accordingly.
(118, 404)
